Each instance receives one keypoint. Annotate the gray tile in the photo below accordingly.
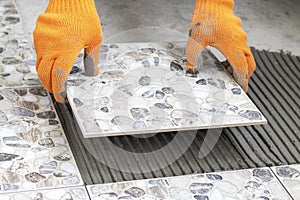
(290, 178)
(34, 152)
(76, 193)
(231, 185)
(143, 88)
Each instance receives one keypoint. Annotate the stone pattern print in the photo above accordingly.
(17, 63)
(260, 184)
(143, 88)
(34, 152)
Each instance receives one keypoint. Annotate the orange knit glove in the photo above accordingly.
(66, 27)
(215, 24)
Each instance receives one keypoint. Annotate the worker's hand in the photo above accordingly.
(215, 24)
(66, 27)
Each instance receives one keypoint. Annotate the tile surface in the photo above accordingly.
(34, 152)
(79, 193)
(250, 184)
(289, 176)
(143, 88)
(17, 63)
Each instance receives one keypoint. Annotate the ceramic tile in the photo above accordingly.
(143, 88)
(79, 193)
(17, 63)
(290, 178)
(34, 152)
(248, 184)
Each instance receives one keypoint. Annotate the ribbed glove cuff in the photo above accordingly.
(71, 6)
(214, 7)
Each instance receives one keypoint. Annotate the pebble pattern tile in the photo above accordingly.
(34, 152)
(143, 88)
(289, 176)
(55, 194)
(17, 63)
(259, 184)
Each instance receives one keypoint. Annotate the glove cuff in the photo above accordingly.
(71, 6)
(214, 7)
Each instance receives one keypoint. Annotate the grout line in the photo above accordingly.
(87, 191)
(40, 189)
(281, 183)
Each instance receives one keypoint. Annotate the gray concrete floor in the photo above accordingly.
(270, 24)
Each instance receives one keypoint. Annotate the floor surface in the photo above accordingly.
(270, 24)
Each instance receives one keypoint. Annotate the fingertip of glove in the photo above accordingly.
(251, 64)
(61, 97)
(60, 93)
(91, 64)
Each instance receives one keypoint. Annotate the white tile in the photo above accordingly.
(290, 178)
(34, 152)
(231, 185)
(140, 89)
(76, 193)
(17, 62)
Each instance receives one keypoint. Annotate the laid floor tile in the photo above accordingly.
(249, 184)
(34, 152)
(17, 63)
(290, 178)
(77, 193)
(143, 88)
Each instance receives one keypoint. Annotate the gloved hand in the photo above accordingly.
(66, 27)
(214, 24)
